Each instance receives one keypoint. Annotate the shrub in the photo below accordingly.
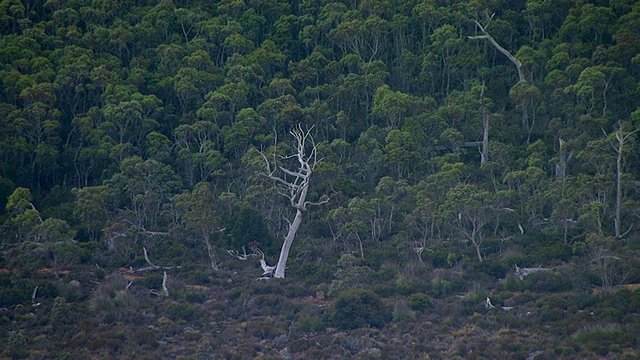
(547, 281)
(195, 297)
(60, 313)
(599, 339)
(314, 273)
(310, 324)
(145, 337)
(200, 278)
(359, 308)
(179, 311)
(402, 312)
(16, 345)
(205, 351)
(492, 268)
(420, 302)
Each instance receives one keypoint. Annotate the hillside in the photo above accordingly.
(459, 179)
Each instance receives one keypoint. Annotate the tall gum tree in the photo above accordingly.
(294, 185)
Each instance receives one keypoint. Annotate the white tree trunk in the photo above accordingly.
(286, 245)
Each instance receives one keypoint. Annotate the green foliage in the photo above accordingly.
(17, 345)
(349, 275)
(602, 339)
(131, 124)
(178, 311)
(544, 281)
(60, 313)
(6, 189)
(492, 268)
(310, 324)
(359, 308)
(247, 226)
(420, 302)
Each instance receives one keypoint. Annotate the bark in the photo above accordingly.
(294, 185)
(286, 245)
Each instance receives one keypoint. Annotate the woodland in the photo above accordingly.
(450, 179)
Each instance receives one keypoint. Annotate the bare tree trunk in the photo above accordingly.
(286, 245)
(484, 155)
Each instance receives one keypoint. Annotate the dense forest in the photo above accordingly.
(475, 175)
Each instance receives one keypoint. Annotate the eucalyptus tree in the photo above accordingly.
(467, 209)
(199, 217)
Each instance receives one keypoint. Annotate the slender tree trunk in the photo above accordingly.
(478, 251)
(618, 148)
(475, 242)
(484, 155)
(618, 183)
(286, 245)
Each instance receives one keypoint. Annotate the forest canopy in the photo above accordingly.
(113, 112)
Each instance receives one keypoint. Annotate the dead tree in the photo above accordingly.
(505, 52)
(521, 78)
(294, 185)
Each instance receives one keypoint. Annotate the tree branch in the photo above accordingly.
(152, 266)
(504, 51)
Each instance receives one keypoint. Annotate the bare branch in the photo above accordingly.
(152, 266)
(164, 285)
(244, 256)
(147, 232)
(146, 256)
(521, 273)
(267, 271)
(33, 296)
(504, 51)
(316, 203)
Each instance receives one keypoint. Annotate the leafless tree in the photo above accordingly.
(294, 185)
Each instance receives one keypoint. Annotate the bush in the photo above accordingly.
(402, 312)
(547, 281)
(310, 324)
(178, 311)
(60, 313)
(492, 268)
(420, 302)
(195, 297)
(359, 308)
(599, 339)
